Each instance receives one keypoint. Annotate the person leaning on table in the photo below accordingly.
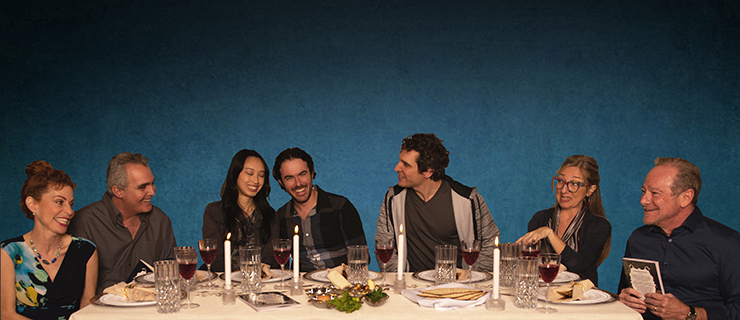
(576, 227)
(699, 257)
(46, 273)
(243, 211)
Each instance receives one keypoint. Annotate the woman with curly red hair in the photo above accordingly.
(47, 273)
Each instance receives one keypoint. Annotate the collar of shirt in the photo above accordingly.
(115, 215)
(294, 212)
(691, 223)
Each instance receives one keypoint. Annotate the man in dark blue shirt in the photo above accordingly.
(698, 256)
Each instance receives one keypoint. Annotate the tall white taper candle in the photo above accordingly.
(401, 243)
(227, 262)
(296, 265)
(496, 266)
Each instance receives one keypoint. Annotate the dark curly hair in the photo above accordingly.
(432, 154)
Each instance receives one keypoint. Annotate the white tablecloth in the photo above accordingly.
(397, 307)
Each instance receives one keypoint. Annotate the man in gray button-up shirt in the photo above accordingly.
(124, 225)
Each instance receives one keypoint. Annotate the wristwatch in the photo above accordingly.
(692, 314)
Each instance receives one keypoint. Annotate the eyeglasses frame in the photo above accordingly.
(579, 184)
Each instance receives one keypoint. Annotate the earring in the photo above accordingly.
(34, 214)
(586, 200)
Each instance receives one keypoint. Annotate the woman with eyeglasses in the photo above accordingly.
(576, 227)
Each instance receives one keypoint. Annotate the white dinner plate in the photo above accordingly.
(236, 276)
(592, 296)
(564, 277)
(475, 276)
(321, 275)
(120, 301)
(201, 275)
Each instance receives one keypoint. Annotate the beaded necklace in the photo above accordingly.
(38, 255)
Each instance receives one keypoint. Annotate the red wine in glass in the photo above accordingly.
(208, 255)
(470, 251)
(549, 265)
(549, 272)
(187, 261)
(384, 254)
(530, 253)
(281, 250)
(187, 270)
(207, 248)
(281, 255)
(470, 256)
(384, 250)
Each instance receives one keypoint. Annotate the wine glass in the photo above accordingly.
(187, 260)
(470, 253)
(549, 265)
(281, 249)
(384, 251)
(531, 250)
(207, 248)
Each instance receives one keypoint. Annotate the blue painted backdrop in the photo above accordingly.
(512, 88)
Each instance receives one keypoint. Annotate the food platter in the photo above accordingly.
(475, 276)
(321, 275)
(280, 275)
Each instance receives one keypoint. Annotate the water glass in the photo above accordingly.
(250, 261)
(445, 263)
(527, 283)
(358, 258)
(509, 254)
(167, 290)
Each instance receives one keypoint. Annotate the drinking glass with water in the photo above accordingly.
(445, 263)
(358, 258)
(250, 261)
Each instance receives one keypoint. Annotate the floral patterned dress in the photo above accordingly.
(36, 296)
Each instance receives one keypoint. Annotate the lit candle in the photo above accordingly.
(401, 250)
(496, 262)
(296, 267)
(227, 262)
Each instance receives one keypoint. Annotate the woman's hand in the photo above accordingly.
(536, 235)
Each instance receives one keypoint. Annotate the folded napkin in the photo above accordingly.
(336, 277)
(572, 291)
(462, 274)
(131, 291)
(266, 273)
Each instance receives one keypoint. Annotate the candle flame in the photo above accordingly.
(496, 241)
(296, 229)
(400, 228)
(228, 236)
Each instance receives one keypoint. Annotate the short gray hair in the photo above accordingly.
(117, 175)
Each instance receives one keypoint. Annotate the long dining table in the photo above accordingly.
(397, 307)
